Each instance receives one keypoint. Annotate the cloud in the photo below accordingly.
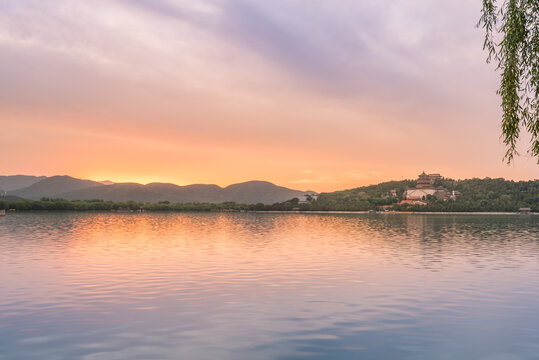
(330, 86)
(390, 50)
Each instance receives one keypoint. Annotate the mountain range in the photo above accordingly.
(69, 188)
(14, 182)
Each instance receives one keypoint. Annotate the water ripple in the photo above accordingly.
(268, 286)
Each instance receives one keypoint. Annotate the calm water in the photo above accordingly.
(268, 286)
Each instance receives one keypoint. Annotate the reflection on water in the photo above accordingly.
(268, 286)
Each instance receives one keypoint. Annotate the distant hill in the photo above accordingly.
(114, 192)
(251, 192)
(14, 182)
(69, 188)
(53, 187)
(189, 193)
(10, 197)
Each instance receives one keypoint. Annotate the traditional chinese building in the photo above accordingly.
(424, 181)
(425, 187)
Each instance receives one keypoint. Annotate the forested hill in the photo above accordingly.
(474, 195)
(490, 195)
(362, 198)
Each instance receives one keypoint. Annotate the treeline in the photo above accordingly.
(100, 205)
(46, 204)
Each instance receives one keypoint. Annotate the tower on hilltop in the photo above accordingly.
(424, 181)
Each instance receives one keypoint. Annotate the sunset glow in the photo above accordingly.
(309, 95)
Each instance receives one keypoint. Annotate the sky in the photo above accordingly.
(308, 94)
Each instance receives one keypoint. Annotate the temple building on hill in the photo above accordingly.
(425, 186)
(425, 181)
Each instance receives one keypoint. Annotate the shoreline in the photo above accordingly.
(396, 212)
(314, 212)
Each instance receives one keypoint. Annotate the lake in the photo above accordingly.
(268, 286)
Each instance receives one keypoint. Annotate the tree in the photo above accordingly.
(512, 41)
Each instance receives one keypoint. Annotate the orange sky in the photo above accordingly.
(301, 94)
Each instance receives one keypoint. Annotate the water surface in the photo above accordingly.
(268, 286)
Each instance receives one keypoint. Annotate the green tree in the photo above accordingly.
(512, 41)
